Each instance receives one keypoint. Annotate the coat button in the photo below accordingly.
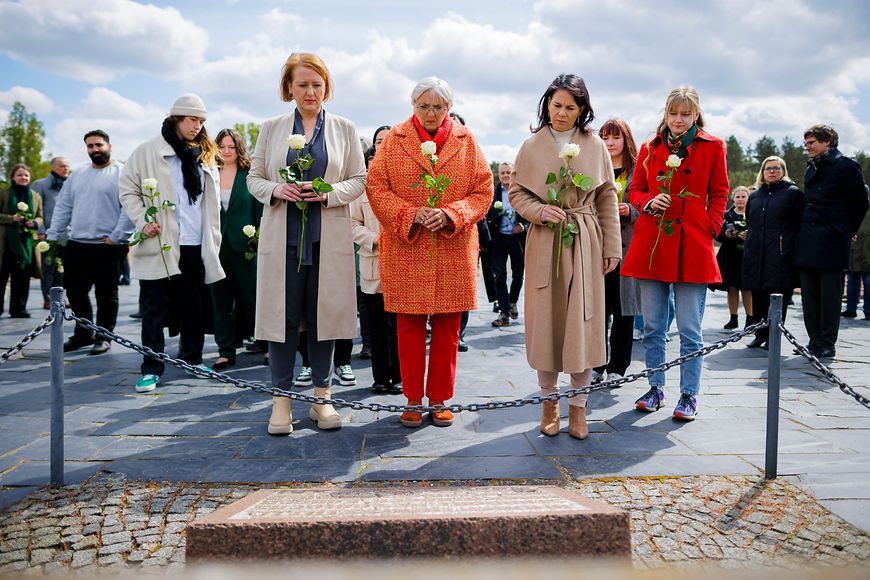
(688, 171)
(661, 172)
(678, 221)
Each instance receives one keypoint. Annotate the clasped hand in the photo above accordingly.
(432, 218)
(661, 202)
(292, 192)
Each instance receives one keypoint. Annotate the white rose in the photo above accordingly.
(428, 147)
(22, 206)
(249, 230)
(673, 161)
(296, 141)
(42, 247)
(434, 158)
(498, 205)
(619, 186)
(569, 151)
(149, 183)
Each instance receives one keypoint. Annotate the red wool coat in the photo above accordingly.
(687, 255)
(410, 285)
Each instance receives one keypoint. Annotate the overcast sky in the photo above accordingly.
(762, 67)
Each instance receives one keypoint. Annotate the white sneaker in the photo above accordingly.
(613, 377)
(344, 375)
(303, 379)
(598, 377)
(637, 334)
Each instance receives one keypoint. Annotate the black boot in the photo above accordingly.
(732, 324)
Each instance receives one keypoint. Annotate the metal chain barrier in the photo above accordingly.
(27, 339)
(393, 408)
(827, 373)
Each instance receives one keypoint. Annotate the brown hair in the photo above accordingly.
(823, 134)
(308, 60)
(577, 87)
(209, 153)
(244, 161)
(18, 166)
(617, 126)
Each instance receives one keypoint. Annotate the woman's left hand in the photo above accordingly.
(307, 193)
(610, 264)
(437, 220)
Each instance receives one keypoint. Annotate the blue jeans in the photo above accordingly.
(689, 300)
(672, 313)
(853, 291)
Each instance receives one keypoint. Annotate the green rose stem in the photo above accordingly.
(436, 185)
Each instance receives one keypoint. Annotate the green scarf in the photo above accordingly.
(19, 243)
(679, 144)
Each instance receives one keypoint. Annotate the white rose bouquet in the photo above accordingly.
(27, 216)
(50, 250)
(566, 179)
(151, 198)
(293, 174)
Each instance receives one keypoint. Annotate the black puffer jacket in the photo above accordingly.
(773, 218)
(835, 206)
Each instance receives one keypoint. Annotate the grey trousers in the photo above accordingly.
(300, 303)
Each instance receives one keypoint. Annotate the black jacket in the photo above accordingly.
(493, 216)
(773, 218)
(835, 206)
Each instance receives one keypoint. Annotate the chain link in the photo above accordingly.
(27, 339)
(394, 408)
(827, 373)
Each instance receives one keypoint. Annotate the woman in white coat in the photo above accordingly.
(179, 239)
(306, 279)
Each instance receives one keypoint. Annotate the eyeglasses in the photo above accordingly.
(773, 168)
(426, 109)
(810, 142)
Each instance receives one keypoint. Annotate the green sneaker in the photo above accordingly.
(204, 368)
(147, 383)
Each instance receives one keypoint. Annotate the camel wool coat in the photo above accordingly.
(336, 286)
(366, 231)
(410, 286)
(565, 314)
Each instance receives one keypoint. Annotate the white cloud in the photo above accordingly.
(99, 42)
(35, 101)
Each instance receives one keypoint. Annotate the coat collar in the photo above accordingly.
(239, 188)
(543, 158)
(657, 145)
(410, 143)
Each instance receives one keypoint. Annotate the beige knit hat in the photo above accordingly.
(188, 105)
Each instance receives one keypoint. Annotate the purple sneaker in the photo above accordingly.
(652, 400)
(687, 408)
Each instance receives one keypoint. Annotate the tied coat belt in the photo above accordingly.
(584, 217)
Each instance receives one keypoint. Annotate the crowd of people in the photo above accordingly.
(289, 247)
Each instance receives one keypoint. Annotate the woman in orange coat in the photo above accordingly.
(428, 245)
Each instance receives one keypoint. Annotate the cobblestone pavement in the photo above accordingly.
(115, 523)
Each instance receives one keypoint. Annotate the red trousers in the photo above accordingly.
(411, 330)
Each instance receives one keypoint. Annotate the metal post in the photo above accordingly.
(774, 364)
(57, 388)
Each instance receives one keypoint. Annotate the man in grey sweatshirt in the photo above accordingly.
(98, 229)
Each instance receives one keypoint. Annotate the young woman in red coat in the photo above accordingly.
(680, 186)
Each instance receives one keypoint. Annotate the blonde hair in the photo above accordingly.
(686, 95)
(308, 60)
(759, 180)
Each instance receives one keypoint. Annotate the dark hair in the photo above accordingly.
(209, 153)
(577, 87)
(458, 117)
(617, 126)
(244, 161)
(370, 152)
(18, 166)
(823, 134)
(97, 133)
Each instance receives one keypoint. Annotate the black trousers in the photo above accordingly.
(96, 266)
(488, 276)
(363, 313)
(620, 329)
(504, 247)
(761, 304)
(340, 357)
(233, 301)
(20, 283)
(384, 341)
(174, 300)
(821, 295)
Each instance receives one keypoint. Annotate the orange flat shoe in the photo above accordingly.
(411, 418)
(443, 418)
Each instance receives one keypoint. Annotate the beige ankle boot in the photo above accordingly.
(281, 421)
(550, 418)
(577, 426)
(324, 415)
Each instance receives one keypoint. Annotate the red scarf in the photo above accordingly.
(440, 135)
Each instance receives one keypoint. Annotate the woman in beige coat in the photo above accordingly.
(318, 289)
(564, 303)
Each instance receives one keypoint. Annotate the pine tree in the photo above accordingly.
(21, 141)
(795, 160)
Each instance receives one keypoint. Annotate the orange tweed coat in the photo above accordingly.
(410, 286)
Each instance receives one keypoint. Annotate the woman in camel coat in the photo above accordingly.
(565, 313)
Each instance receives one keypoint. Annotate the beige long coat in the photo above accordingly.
(565, 314)
(366, 231)
(336, 286)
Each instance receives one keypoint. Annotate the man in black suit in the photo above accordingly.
(835, 206)
(508, 231)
